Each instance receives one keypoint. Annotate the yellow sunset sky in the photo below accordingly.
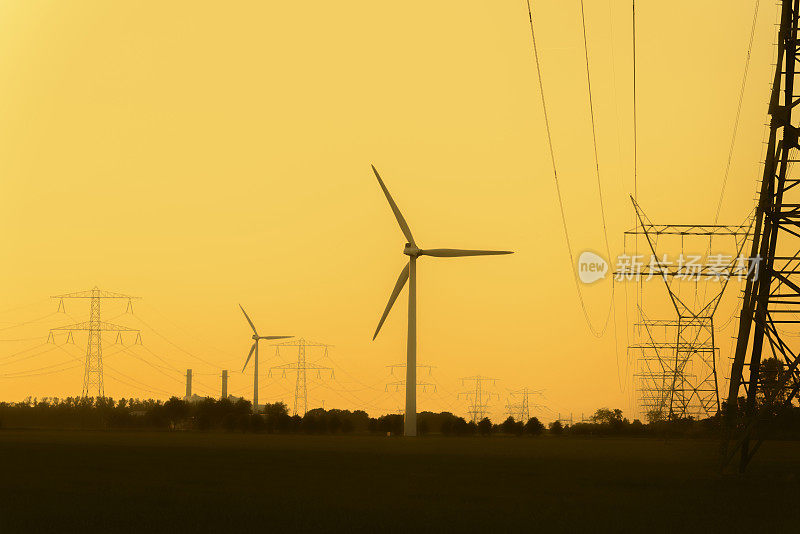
(205, 154)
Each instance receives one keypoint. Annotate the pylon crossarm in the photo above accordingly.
(101, 325)
(690, 229)
(94, 293)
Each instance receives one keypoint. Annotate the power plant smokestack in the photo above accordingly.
(224, 383)
(188, 383)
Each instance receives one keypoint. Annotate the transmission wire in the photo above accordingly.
(558, 187)
(738, 111)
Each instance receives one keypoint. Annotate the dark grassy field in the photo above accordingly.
(182, 482)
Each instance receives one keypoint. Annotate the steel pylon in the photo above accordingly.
(771, 299)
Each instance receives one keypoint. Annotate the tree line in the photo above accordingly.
(237, 416)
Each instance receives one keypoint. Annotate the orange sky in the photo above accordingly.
(200, 155)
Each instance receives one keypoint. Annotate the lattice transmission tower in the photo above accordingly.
(301, 367)
(771, 300)
(677, 357)
(93, 366)
(521, 409)
(401, 384)
(479, 397)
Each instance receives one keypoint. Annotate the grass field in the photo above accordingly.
(182, 482)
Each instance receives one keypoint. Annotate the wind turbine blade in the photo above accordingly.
(248, 320)
(273, 337)
(252, 350)
(397, 215)
(401, 281)
(458, 252)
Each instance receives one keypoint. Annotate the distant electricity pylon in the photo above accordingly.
(521, 411)
(394, 366)
(397, 384)
(301, 367)
(479, 398)
(565, 421)
(93, 367)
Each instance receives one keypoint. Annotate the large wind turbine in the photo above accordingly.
(253, 349)
(409, 272)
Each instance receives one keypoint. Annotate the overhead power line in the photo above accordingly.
(596, 332)
(165, 338)
(738, 111)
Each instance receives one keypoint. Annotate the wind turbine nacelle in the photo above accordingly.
(411, 250)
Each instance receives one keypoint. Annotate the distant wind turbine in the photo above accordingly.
(254, 348)
(410, 272)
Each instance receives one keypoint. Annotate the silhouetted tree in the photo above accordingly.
(277, 416)
(534, 427)
(510, 426)
(392, 423)
(604, 416)
(655, 416)
(485, 426)
(556, 427)
(175, 411)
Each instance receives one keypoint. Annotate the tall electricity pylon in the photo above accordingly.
(301, 367)
(521, 411)
(93, 367)
(479, 398)
(678, 375)
(771, 300)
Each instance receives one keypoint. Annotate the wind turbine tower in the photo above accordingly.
(409, 274)
(254, 349)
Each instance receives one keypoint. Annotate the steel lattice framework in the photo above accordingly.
(521, 411)
(771, 300)
(677, 358)
(479, 397)
(93, 366)
(677, 377)
(401, 384)
(656, 373)
(301, 367)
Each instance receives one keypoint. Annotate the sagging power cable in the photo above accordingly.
(596, 332)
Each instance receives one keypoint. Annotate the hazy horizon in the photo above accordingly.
(208, 157)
